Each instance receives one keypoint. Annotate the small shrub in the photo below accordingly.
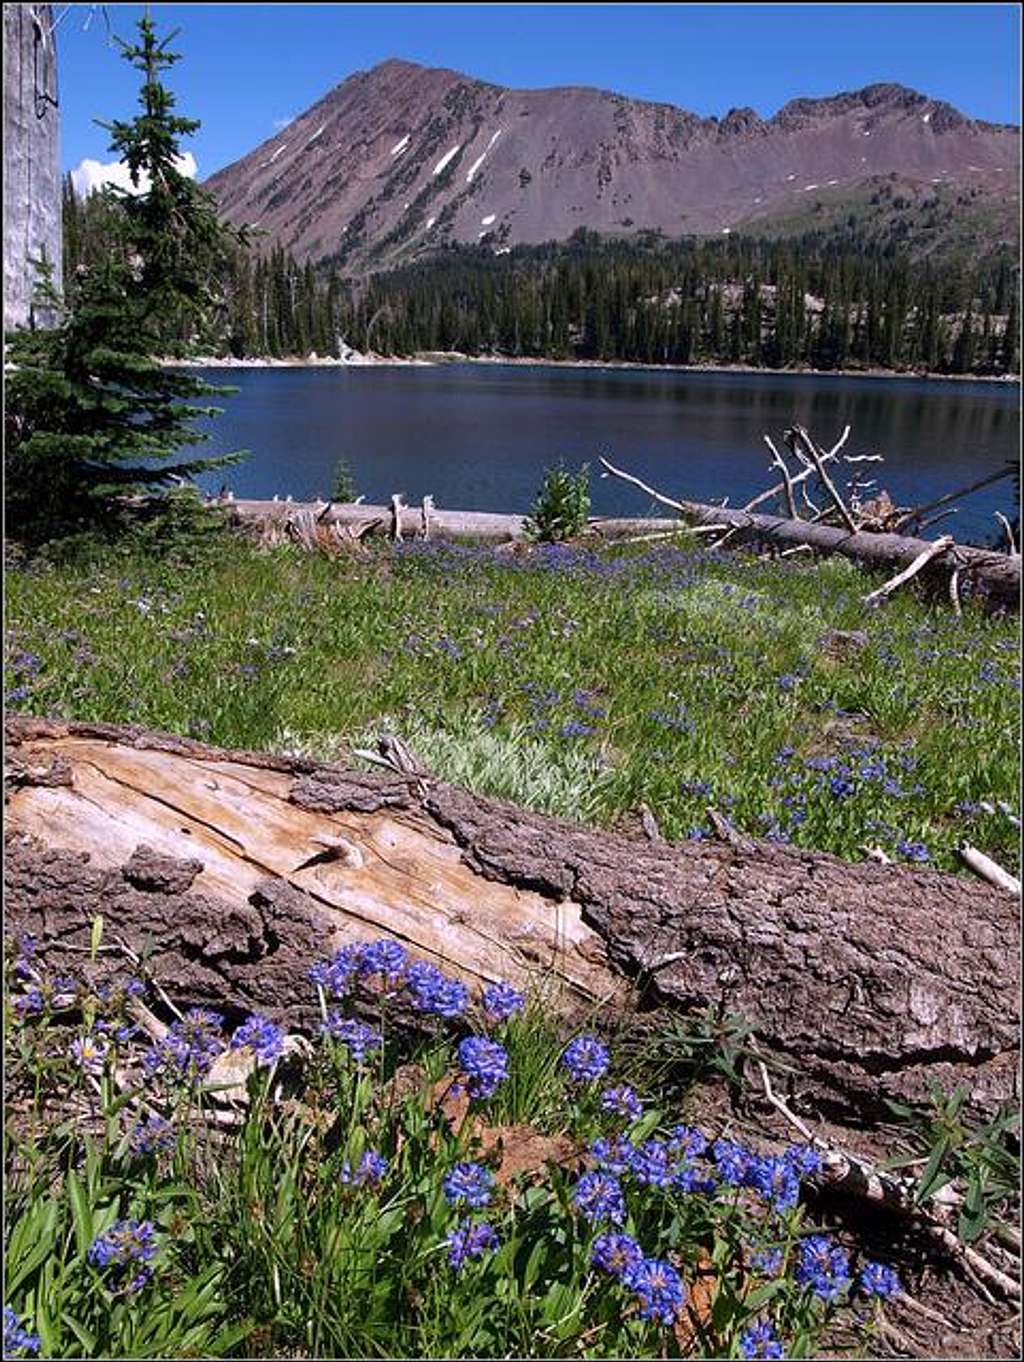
(343, 487)
(562, 506)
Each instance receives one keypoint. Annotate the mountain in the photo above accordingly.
(403, 158)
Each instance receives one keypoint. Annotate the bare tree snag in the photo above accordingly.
(868, 980)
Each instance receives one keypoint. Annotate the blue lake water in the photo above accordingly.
(479, 437)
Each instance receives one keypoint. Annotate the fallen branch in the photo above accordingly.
(918, 511)
(787, 482)
(659, 497)
(801, 436)
(1009, 533)
(932, 551)
(988, 870)
(850, 1173)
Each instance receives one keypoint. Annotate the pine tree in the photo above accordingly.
(91, 415)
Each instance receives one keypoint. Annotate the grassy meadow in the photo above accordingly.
(578, 682)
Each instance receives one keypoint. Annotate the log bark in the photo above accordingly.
(868, 980)
(995, 576)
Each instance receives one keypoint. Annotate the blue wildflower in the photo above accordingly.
(804, 1158)
(502, 1001)
(263, 1037)
(760, 1341)
(17, 1340)
(586, 1059)
(766, 1262)
(652, 1164)
(470, 1241)
(30, 1003)
(154, 1136)
(433, 991)
(191, 1045)
(776, 1179)
(485, 1064)
(127, 1241)
(336, 975)
(360, 1039)
(383, 957)
(878, 1280)
(733, 1161)
(687, 1140)
(613, 1156)
(623, 1101)
(616, 1253)
(598, 1196)
(913, 851)
(574, 728)
(470, 1183)
(660, 1289)
(824, 1267)
(371, 1170)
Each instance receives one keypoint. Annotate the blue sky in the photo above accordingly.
(246, 68)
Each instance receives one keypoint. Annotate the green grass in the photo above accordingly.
(578, 683)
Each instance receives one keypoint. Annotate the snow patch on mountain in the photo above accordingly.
(446, 158)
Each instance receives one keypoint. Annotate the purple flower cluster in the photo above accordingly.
(370, 1171)
(470, 1183)
(429, 990)
(824, 1267)
(657, 1284)
(598, 1196)
(125, 1244)
(616, 1254)
(18, 1341)
(623, 1101)
(485, 1064)
(659, 1288)
(432, 991)
(190, 1046)
(775, 1177)
(878, 1280)
(153, 1136)
(586, 1059)
(337, 975)
(361, 1040)
(470, 1241)
(501, 1001)
(760, 1341)
(263, 1037)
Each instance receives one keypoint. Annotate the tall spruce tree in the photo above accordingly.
(91, 415)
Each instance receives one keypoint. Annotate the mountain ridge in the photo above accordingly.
(402, 158)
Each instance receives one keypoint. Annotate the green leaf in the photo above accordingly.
(928, 1182)
(81, 1214)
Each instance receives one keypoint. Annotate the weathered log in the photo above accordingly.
(868, 980)
(994, 575)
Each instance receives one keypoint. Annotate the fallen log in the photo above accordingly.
(995, 576)
(870, 981)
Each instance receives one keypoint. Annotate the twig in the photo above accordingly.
(396, 517)
(954, 592)
(817, 458)
(918, 511)
(855, 1174)
(426, 516)
(787, 481)
(799, 478)
(932, 551)
(1014, 551)
(628, 477)
(934, 520)
(988, 869)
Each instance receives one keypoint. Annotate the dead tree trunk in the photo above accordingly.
(996, 576)
(232, 871)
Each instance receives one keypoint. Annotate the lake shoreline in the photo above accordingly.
(438, 358)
